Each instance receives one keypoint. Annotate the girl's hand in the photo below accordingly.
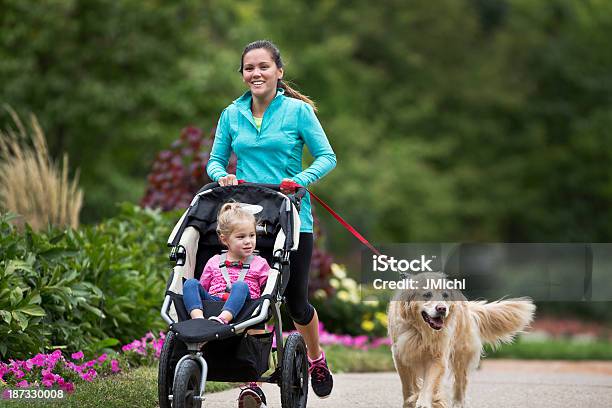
(229, 180)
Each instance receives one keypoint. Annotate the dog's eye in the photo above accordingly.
(427, 295)
(445, 295)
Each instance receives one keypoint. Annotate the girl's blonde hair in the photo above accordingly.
(275, 53)
(230, 216)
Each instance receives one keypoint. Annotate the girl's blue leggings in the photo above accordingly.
(194, 293)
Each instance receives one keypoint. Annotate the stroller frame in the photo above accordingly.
(192, 369)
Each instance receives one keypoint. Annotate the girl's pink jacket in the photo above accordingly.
(212, 279)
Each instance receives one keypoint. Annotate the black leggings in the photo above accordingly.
(300, 310)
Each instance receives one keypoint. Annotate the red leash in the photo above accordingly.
(292, 185)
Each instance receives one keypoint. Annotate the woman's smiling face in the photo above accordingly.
(260, 73)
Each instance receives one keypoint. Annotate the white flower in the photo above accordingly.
(349, 283)
(319, 294)
(338, 271)
(343, 296)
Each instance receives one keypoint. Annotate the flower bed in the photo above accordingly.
(56, 370)
(361, 342)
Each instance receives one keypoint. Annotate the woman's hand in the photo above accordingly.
(229, 180)
(287, 190)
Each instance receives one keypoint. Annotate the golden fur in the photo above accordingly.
(451, 343)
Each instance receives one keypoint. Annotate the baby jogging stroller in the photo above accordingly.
(198, 350)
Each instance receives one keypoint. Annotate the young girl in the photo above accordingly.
(236, 229)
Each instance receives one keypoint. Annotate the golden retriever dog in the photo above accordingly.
(438, 335)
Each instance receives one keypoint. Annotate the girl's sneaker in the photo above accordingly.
(218, 319)
(321, 378)
(252, 397)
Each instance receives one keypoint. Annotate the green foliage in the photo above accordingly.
(453, 120)
(75, 289)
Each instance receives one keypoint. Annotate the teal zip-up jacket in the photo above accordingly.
(274, 152)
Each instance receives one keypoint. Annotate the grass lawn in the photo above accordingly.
(554, 350)
(348, 360)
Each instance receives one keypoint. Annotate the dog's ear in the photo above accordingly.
(405, 312)
(457, 296)
(405, 298)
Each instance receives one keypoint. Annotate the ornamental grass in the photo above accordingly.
(31, 184)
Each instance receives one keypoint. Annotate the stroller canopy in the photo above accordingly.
(275, 213)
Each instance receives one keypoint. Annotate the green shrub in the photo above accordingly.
(75, 288)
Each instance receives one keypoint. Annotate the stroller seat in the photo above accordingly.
(201, 330)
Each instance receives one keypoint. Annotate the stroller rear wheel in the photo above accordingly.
(294, 377)
(187, 385)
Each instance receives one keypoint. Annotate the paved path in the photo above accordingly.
(498, 384)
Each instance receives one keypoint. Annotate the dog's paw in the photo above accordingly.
(439, 402)
(410, 402)
(421, 403)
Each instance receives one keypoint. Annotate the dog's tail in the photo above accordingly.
(500, 321)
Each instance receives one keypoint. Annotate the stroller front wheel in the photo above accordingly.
(294, 377)
(165, 371)
(187, 385)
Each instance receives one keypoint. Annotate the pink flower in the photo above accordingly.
(3, 369)
(72, 366)
(102, 358)
(115, 366)
(53, 358)
(48, 376)
(157, 346)
(89, 375)
(127, 347)
(18, 373)
(77, 356)
(38, 360)
(23, 384)
(6, 394)
(68, 387)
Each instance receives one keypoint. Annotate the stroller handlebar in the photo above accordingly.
(298, 194)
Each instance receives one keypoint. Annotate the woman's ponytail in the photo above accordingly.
(292, 93)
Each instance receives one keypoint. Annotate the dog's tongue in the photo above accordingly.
(436, 323)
